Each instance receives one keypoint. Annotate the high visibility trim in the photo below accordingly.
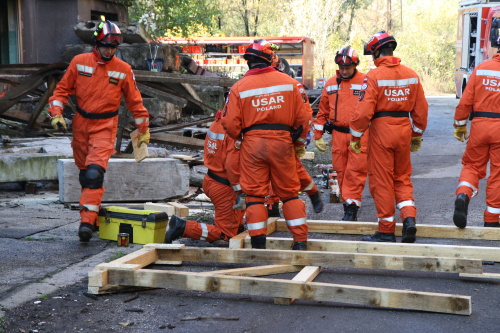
(332, 88)
(139, 121)
(92, 208)
(237, 187)
(309, 187)
(397, 83)
(416, 129)
(405, 204)
(460, 122)
(300, 140)
(492, 210)
(474, 190)
(117, 75)
(356, 133)
(266, 90)
(257, 225)
(215, 136)
(318, 127)
(352, 201)
(390, 219)
(356, 86)
(486, 72)
(57, 103)
(204, 231)
(296, 222)
(85, 69)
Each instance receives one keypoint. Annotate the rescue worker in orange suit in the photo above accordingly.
(221, 185)
(98, 80)
(266, 110)
(338, 100)
(391, 94)
(481, 99)
(307, 184)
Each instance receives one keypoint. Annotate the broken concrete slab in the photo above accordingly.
(153, 179)
(28, 167)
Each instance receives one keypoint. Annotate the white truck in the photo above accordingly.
(478, 31)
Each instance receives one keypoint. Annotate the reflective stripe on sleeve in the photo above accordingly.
(92, 208)
(296, 222)
(390, 219)
(256, 225)
(416, 129)
(139, 121)
(318, 127)
(397, 83)
(237, 187)
(57, 103)
(301, 140)
(309, 187)
(355, 133)
(405, 204)
(266, 90)
(474, 190)
(215, 136)
(204, 231)
(460, 122)
(117, 75)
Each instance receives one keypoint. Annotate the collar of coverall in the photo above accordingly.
(347, 78)
(255, 71)
(98, 57)
(387, 61)
(218, 115)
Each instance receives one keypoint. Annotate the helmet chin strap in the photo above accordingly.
(103, 57)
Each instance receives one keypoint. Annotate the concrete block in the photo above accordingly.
(20, 167)
(153, 179)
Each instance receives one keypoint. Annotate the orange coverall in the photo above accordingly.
(222, 158)
(266, 98)
(391, 94)
(337, 104)
(98, 87)
(483, 95)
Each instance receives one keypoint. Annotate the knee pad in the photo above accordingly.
(93, 177)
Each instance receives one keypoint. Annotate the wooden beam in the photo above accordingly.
(153, 92)
(307, 274)
(415, 249)
(177, 140)
(257, 270)
(398, 261)
(142, 76)
(423, 230)
(366, 296)
(181, 125)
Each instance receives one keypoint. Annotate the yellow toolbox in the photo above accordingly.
(142, 226)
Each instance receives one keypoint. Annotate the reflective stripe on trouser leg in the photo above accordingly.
(294, 211)
(386, 224)
(90, 201)
(352, 201)
(407, 209)
(256, 213)
(491, 214)
(467, 188)
(306, 182)
(201, 231)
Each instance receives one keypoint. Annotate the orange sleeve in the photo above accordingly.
(464, 107)
(231, 119)
(134, 102)
(232, 162)
(63, 90)
(365, 108)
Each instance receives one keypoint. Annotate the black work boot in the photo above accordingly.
(175, 230)
(300, 246)
(274, 211)
(409, 230)
(317, 202)
(380, 237)
(85, 232)
(492, 224)
(258, 242)
(350, 212)
(461, 207)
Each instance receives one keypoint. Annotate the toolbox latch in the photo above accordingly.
(144, 219)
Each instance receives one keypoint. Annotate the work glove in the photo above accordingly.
(460, 133)
(240, 201)
(300, 150)
(58, 121)
(416, 143)
(144, 137)
(355, 145)
(320, 144)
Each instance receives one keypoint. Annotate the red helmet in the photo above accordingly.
(260, 48)
(347, 56)
(378, 40)
(108, 34)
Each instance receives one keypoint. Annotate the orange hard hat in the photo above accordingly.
(260, 48)
(347, 56)
(378, 40)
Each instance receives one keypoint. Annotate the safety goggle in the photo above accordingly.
(111, 40)
(341, 59)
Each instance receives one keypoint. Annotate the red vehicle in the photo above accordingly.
(478, 28)
(224, 55)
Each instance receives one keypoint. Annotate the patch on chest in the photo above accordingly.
(113, 81)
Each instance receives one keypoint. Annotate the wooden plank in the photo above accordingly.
(238, 241)
(143, 257)
(423, 230)
(366, 296)
(494, 276)
(415, 249)
(180, 209)
(307, 274)
(182, 125)
(140, 152)
(142, 76)
(397, 261)
(163, 95)
(173, 247)
(177, 140)
(258, 270)
(309, 155)
(160, 207)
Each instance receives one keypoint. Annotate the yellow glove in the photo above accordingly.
(144, 137)
(355, 146)
(58, 121)
(416, 143)
(320, 144)
(300, 150)
(460, 133)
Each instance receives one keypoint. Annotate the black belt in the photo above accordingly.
(278, 127)
(484, 114)
(92, 115)
(218, 179)
(341, 129)
(400, 114)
